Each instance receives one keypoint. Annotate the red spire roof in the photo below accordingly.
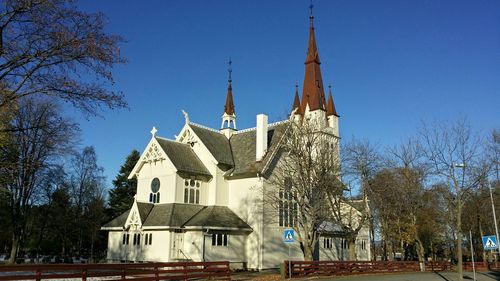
(229, 106)
(330, 107)
(296, 100)
(313, 93)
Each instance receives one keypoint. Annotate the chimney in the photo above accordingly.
(261, 139)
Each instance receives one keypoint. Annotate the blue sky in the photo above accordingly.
(392, 64)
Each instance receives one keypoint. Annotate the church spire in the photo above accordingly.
(330, 107)
(228, 117)
(229, 106)
(313, 93)
(296, 100)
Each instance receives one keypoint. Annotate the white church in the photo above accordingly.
(199, 197)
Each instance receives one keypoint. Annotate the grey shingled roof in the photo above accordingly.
(144, 210)
(217, 216)
(179, 215)
(183, 157)
(118, 221)
(243, 146)
(216, 143)
(173, 215)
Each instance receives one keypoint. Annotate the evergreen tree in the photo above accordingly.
(121, 196)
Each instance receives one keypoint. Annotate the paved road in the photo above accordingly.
(424, 276)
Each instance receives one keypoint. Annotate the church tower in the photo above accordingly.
(313, 104)
(228, 125)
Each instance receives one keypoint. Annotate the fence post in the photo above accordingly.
(185, 272)
(157, 276)
(38, 274)
(84, 274)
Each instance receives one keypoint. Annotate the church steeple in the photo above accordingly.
(313, 93)
(331, 113)
(296, 100)
(228, 125)
(330, 107)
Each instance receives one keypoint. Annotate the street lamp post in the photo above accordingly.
(494, 216)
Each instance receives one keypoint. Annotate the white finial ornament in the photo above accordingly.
(186, 116)
(153, 132)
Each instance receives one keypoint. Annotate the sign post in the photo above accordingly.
(472, 254)
(289, 238)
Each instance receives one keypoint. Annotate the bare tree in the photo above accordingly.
(86, 187)
(48, 47)
(407, 159)
(307, 171)
(33, 151)
(360, 163)
(454, 152)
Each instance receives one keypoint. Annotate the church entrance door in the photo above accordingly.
(177, 245)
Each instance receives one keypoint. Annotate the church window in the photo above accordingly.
(154, 196)
(136, 239)
(345, 244)
(363, 244)
(219, 239)
(192, 191)
(128, 238)
(148, 238)
(125, 239)
(327, 242)
(287, 205)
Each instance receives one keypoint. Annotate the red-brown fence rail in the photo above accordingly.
(135, 271)
(495, 266)
(303, 268)
(479, 266)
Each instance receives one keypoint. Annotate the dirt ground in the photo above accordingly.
(273, 275)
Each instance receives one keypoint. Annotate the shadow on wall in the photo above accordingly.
(275, 251)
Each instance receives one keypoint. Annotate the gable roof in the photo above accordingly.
(183, 157)
(118, 221)
(144, 210)
(217, 216)
(216, 143)
(178, 215)
(243, 146)
(173, 215)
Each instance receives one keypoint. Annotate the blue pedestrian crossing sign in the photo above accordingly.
(288, 236)
(490, 242)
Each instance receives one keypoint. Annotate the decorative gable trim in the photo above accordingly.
(187, 135)
(134, 218)
(152, 154)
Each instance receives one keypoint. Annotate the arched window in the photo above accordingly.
(287, 207)
(154, 196)
(192, 191)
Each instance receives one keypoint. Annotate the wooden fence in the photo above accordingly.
(303, 268)
(479, 266)
(135, 271)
